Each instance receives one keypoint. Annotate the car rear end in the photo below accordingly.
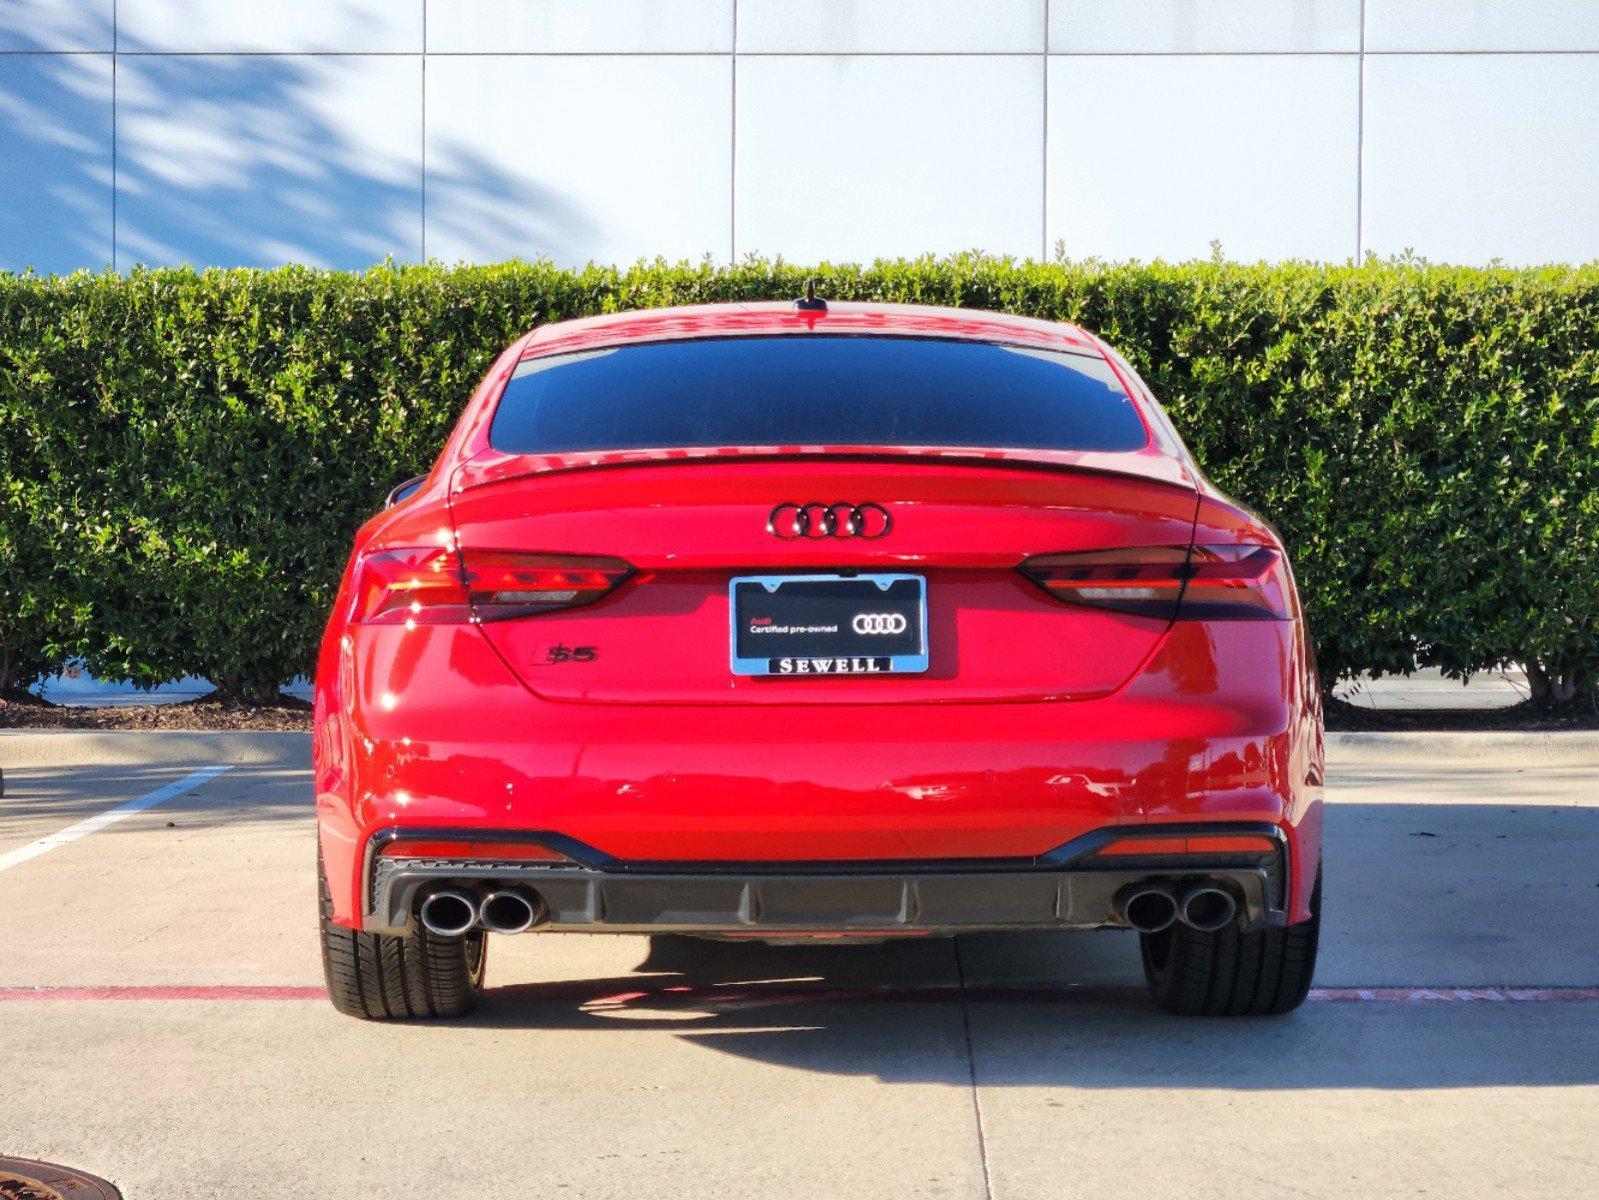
(767, 623)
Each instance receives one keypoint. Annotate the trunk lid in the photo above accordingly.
(690, 526)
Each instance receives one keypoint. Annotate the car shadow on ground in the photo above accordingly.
(900, 1013)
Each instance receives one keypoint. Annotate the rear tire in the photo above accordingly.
(381, 977)
(1225, 973)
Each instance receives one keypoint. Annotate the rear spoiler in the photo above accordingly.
(1150, 463)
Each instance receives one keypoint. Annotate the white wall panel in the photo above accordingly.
(1159, 156)
(579, 158)
(55, 161)
(1457, 25)
(270, 26)
(293, 129)
(1472, 157)
(854, 158)
(56, 24)
(1211, 26)
(579, 26)
(261, 159)
(880, 27)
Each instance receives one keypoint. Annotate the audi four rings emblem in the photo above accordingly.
(817, 520)
(878, 623)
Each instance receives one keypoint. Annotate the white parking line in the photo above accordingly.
(110, 817)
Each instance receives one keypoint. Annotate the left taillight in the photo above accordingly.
(416, 584)
(439, 585)
(1198, 582)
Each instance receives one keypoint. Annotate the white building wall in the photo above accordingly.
(338, 131)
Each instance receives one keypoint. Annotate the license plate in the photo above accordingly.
(802, 626)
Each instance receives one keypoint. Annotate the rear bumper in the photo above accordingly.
(1215, 728)
(1068, 888)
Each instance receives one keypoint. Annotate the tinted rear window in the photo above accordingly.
(814, 390)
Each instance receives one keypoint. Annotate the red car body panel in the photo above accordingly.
(688, 527)
(655, 752)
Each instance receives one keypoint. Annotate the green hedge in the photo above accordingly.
(184, 456)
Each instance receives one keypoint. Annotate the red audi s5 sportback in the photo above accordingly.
(816, 621)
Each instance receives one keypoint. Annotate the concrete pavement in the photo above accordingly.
(1418, 691)
(611, 1066)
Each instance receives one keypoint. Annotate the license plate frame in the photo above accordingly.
(812, 666)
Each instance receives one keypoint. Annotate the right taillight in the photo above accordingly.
(1147, 580)
(1225, 582)
(1236, 581)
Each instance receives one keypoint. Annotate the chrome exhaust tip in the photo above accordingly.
(510, 911)
(1147, 907)
(448, 912)
(1206, 907)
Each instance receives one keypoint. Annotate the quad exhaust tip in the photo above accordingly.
(1151, 907)
(511, 911)
(1147, 907)
(1206, 907)
(448, 912)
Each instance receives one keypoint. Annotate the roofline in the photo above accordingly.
(780, 318)
(534, 353)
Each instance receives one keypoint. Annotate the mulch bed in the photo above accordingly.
(295, 715)
(1518, 718)
(203, 714)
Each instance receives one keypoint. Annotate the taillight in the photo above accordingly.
(504, 583)
(437, 585)
(1236, 581)
(1228, 582)
(419, 584)
(1147, 581)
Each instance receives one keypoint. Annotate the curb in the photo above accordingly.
(1536, 747)
(1533, 748)
(114, 749)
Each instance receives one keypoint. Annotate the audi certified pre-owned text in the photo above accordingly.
(810, 621)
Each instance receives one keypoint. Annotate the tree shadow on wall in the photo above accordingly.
(55, 155)
(240, 160)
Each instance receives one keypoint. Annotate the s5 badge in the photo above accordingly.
(560, 653)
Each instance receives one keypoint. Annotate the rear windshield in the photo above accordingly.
(814, 390)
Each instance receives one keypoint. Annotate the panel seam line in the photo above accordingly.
(1043, 220)
(971, 1070)
(732, 143)
(115, 132)
(1360, 142)
(423, 152)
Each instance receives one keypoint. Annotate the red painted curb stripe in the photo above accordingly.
(1447, 995)
(683, 994)
(162, 992)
